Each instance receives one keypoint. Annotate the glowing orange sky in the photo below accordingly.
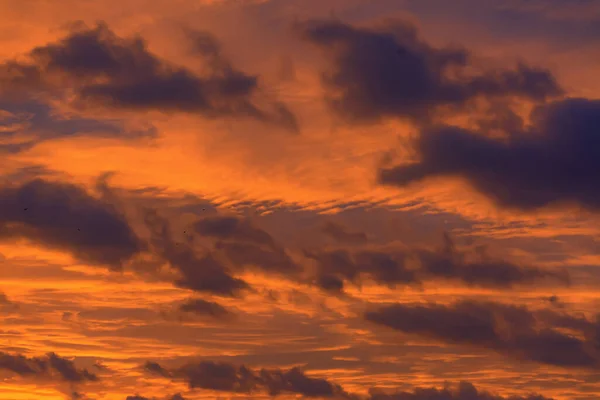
(290, 185)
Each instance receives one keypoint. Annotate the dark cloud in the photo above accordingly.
(507, 329)
(240, 379)
(296, 381)
(336, 266)
(66, 217)
(138, 397)
(67, 370)
(245, 245)
(221, 376)
(463, 391)
(342, 234)
(233, 228)
(414, 265)
(481, 270)
(50, 365)
(155, 368)
(121, 72)
(391, 72)
(204, 307)
(199, 270)
(554, 160)
(268, 259)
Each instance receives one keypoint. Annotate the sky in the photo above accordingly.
(299, 199)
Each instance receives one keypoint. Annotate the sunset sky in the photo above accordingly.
(321, 199)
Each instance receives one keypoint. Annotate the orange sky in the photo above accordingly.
(254, 195)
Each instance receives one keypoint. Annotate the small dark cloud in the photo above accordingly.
(233, 228)
(391, 72)
(341, 234)
(269, 259)
(220, 376)
(48, 366)
(555, 160)
(66, 217)
(204, 307)
(155, 368)
(296, 381)
(507, 329)
(199, 270)
(122, 73)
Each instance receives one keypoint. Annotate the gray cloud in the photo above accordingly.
(391, 72)
(66, 217)
(121, 72)
(50, 365)
(507, 329)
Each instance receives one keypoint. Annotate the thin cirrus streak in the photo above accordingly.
(299, 199)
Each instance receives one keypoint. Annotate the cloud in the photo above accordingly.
(272, 260)
(507, 329)
(204, 307)
(51, 365)
(481, 270)
(555, 160)
(225, 377)
(333, 267)
(26, 122)
(240, 379)
(245, 245)
(121, 72)
(412, 266)
(233, 228)
(463, 391)
(391, 72)
(6, 304)
(220, 377)
(198, 270)
(138, 397)
(65, 217)
(157, 369)
(342, 235)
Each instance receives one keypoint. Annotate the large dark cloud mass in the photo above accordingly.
(507, 329)
(48, 366)
(391, 72)
(66, 217)
(557, 159)
(103, 67)
(225, 377)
